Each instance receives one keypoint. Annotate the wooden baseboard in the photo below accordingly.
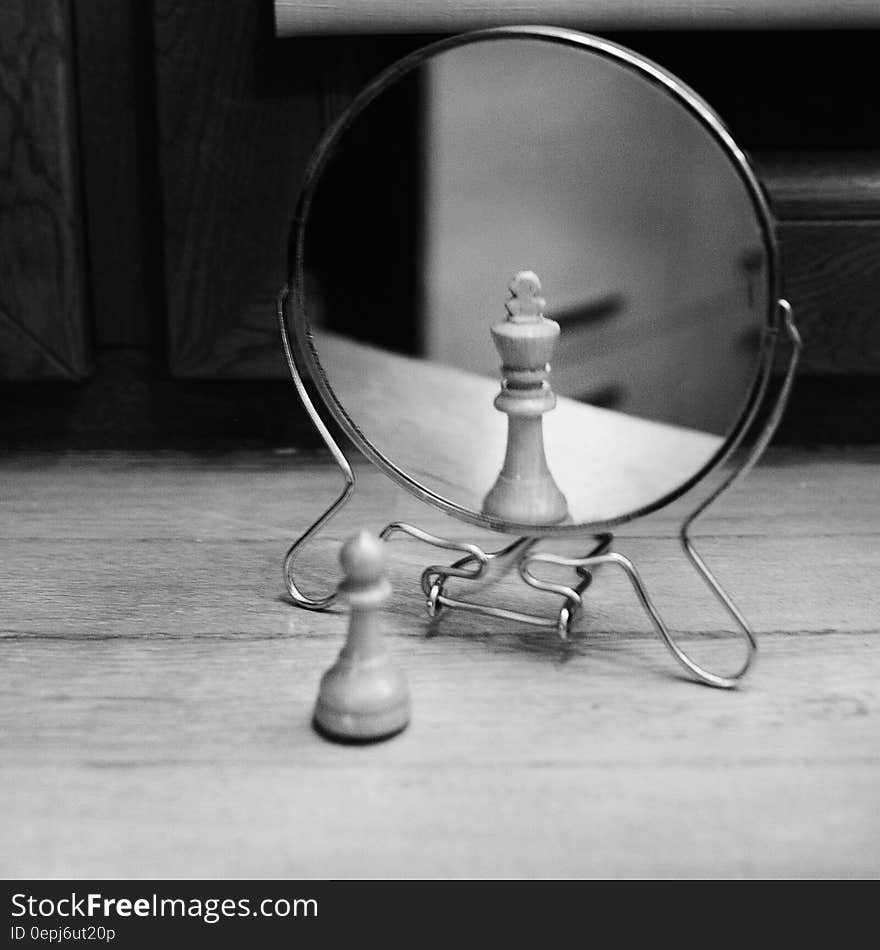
(132, 403)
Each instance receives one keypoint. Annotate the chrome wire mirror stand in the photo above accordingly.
(476, 563)
(473, 565)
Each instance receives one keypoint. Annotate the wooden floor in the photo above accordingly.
(156, 688)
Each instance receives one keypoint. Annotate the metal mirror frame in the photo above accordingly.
(304, 362)
(308, 359)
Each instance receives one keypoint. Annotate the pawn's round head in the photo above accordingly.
(363, 558)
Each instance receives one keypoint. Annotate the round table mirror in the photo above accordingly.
(648, 260)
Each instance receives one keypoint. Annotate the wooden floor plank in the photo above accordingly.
(144, 759)
(276, 494)
(156, 689)
(195, 589)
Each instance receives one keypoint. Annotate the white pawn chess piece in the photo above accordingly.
(363, 696)
(525, 491)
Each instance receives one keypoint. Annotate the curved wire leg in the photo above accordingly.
(754, 454)
(612, 557)
(573, 600)
(703, 675)
(459, 569)
(757, 449)
(474, 567)
(299, 598)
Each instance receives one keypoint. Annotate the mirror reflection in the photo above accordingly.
(525, 156)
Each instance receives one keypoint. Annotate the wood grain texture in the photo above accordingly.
(831, 273)
(119, 153)
(239, 115)
(156, 689)
(308, 17)
(810, 185)
(43, 317)
(217, 146)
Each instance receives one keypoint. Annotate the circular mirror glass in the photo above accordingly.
(631, 350)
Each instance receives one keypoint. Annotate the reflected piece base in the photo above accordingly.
(526, 501)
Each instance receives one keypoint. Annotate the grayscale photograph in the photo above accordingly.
(439, 442)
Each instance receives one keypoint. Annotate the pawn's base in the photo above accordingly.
(354, 740)
(362, 727)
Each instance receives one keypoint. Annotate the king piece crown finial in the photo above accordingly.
(525, 301)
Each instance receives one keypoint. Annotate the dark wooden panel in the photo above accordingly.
(130, 402)
(225, 157)
(118, 148)
(239, 115)
(822, 185)
(832, 278)
(43, 330)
